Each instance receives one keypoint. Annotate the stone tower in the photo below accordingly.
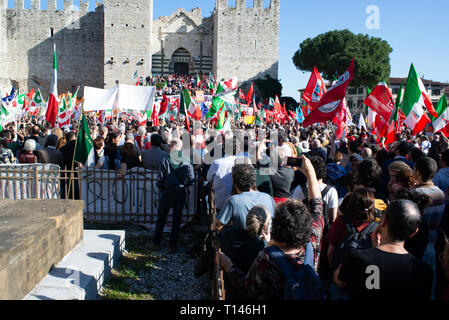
(127, 40)
(4, 81)
(246, 40)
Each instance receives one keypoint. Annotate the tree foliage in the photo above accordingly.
(290, 102)
(269, 87)
(332, 52)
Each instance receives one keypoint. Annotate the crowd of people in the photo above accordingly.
(369, 220)
(172, 84)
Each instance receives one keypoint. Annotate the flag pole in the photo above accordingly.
(74, 150)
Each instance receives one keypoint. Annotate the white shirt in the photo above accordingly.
(288, 150)
(330, 200)
(221, 173)
(425, 146)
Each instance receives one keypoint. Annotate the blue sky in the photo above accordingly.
(416, 30)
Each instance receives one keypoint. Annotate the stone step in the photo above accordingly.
(84, 271)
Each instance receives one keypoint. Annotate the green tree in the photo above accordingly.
(290, 103)
(269, 87)
(332, 52)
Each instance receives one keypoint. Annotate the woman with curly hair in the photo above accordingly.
(294, 226)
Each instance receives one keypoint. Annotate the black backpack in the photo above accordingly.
(353, 240)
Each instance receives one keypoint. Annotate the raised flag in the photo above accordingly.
(53, 104)
(331, 103)
(230, 85)
(155, 114)
(37, 100)
(416, 93)
(84, 150)
(278, 111)
(250, 94)
(441, 107)
(299, 115)
(63, 114)
(222, 95)
(395, 122)
(362, 123)
(315, 88)
(371, 117)
(241, 95)
(381, 101)
(442, 123)
(164, 105)
(221, 118)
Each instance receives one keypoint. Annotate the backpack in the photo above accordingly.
(300, 284)
(353, 240)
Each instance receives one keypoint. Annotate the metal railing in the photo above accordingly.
(109, 197)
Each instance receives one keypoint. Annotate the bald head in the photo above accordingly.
(403, 219)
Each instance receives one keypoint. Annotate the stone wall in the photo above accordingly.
(35, 235)
(246, 40)
(187, 30)
(79, 39)
(127, 39)
(4, 81)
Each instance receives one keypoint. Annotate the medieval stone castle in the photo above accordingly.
(106, 46)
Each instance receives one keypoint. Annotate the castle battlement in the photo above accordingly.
(68, 5)
(240, 6)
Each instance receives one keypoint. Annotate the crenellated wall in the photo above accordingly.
(79, 40)
(108, 45)
(246, 40)
(85, 42)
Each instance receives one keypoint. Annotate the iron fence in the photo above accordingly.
(109, 197)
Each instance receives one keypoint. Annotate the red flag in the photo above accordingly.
(278, 112)
(250, 94)
(331, 103)
(198, 114)
(31, 94)
(341, 120)
(155, 114)
(164, 105)
(241, 95)
(315, 89)
(381, 101)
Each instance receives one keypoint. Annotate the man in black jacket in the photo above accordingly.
(175, 177)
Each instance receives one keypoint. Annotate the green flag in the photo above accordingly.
(221, 96)
(441, 107)
(184, 102)
(221, 119)
(84, 151)
(368, 92)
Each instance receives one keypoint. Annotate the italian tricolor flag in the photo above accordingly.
(442, 123)
(53, 104)
(416, 102)
(64, 114)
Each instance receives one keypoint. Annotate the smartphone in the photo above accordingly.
(295, 162)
